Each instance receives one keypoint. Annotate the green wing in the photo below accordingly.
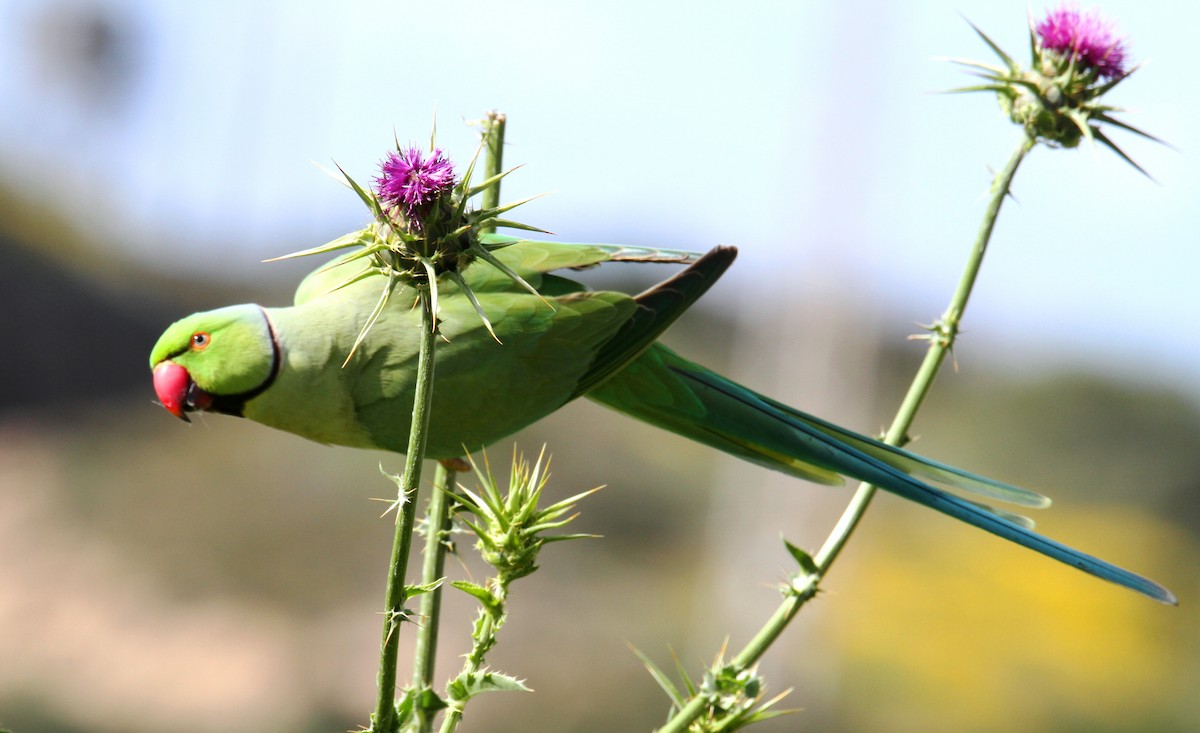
(549, 351)
(657, 308)
(531, 259)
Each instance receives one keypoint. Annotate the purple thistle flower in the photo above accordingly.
(410, 181)
(1085, 36)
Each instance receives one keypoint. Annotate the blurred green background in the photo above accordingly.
(225, 577)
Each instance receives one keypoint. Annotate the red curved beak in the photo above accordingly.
(176, 390)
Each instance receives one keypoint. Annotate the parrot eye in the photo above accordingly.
(200, 339)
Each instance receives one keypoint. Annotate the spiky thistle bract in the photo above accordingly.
(1076, 59)
(1085, 39)
(510, 525)
(733, 697)
(423, 229)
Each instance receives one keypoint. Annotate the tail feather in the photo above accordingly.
(920, 466)
(664, 389)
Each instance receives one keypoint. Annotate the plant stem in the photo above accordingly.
(437, 531)
(798, 594)
(437, 515)
(941, 342)
(384, 719)
(493, 136)
(941, 337)
(484, 638)
(679, 723)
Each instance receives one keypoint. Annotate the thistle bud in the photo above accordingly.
(1080, 42)
(410, 184)
(1076, 59)
(424, 228)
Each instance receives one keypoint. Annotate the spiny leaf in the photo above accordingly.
(416, 590)
(375, 314)
(343, 242)
(802, 558)
(977, 88)
(510, 224)
(466, 289)
(364, 253)
(362, 275)
(991, 44)
(485, 185)
(371, 202)
(481, 594)
(677, 700)
(534, 529)
(482, 473)
(763, 712)
(339, 177)
(1099, 135)
(491, 240)
(431, 274)
(476, 504)
(1107, 86)
(404, 708)
(1130, 128)
(683, 675)
(496, 211)
(465, 184)
(993, 71)
(576, 536)
(1081, 122)
(466, 686)
(430, 702)
(489, 258)
(460, 231)
(567, 503)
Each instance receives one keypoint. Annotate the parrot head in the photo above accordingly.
(215, 360)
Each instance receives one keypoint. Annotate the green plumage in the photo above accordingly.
(547, 350)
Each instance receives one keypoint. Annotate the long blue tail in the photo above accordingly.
(664, 389)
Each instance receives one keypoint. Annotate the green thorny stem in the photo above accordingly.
(487, 625)
(437, 544)
(425, 704)
(384, 719)
(493, 136)
(941, 338)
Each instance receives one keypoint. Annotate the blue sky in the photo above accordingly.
(805, 133)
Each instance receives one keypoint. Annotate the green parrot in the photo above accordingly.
(283, 367)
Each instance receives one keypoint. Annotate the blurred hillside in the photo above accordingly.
(225, 577)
